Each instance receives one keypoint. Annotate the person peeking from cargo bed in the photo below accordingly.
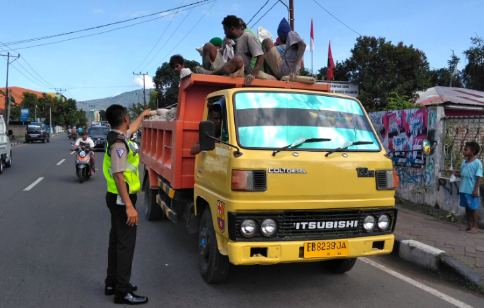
(246, 47)
(178, 64)
(289, 63)
(214, 115)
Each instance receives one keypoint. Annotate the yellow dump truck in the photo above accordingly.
(292, 173)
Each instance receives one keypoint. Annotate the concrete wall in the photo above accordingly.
(427, 182)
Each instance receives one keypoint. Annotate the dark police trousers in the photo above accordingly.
(122, 240)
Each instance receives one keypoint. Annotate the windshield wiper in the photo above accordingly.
(298, 142)
(348, 144)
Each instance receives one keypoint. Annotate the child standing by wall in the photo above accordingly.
(470, 180)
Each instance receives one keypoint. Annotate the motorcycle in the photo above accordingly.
(73, 136)
(83, 163)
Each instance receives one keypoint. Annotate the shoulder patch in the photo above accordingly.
(120, 152)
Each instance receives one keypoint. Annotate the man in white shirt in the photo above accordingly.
(84, 141)
(178, 64)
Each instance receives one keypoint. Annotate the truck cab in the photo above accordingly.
(292, 174)
(5, 148)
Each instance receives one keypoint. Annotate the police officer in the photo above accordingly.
(120, 167)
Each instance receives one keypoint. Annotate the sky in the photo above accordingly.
(102, 65)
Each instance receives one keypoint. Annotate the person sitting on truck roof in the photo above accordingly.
(214, 115)
(246, 48)
(290, 62)
(178, 64)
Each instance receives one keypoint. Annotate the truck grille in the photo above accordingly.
(312, 225)
(260, 180)
(381, 179)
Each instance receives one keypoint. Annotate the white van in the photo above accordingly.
(5, 150)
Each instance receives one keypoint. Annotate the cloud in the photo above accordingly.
(98, 11)
(138, 81)
(116, 94)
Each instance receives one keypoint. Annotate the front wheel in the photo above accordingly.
(81, 177)
(214, 266)
(338, 266)
(1, 166)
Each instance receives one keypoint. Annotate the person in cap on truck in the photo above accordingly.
(290, 62)
(214, 115)
(120, 168)
(246, 48)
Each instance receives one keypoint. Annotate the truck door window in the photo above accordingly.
(217, 113)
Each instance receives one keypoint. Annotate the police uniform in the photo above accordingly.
(121, 156)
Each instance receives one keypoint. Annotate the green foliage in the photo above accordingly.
(473, 73)
(167, 83)
(397, 102)
(452, 216)
(380, 68)
(102, 115)
(340, 72)
(304, 72)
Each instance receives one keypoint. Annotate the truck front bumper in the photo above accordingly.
(240, 253)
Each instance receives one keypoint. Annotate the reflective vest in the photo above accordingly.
(131, 175)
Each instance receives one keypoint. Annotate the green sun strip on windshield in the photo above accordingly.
(249, 100)
(279, 136)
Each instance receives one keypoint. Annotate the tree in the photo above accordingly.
(380, 68)
(340, 72)
(441, 77)
(167, 83)
(473, 73)
(397, 102)
(102, 115)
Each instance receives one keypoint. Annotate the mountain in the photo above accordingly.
(125, 99)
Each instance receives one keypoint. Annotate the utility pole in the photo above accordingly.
(291, 14)
(59, 91)
(144, 86)
(7, 100)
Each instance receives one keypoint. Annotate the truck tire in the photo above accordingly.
(8, 163)
(339, 266)
(214, 266)
(152, 209)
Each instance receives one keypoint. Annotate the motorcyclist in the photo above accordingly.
(82, 142)
(74, 132)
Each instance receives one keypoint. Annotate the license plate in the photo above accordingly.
(319, 249)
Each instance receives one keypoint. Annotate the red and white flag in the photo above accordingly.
(311, 46)
(330, 63)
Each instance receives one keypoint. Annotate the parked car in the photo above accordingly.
(5, 149)
(37, 131)
(98, 134)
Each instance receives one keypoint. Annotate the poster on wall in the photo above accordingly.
(402, 130)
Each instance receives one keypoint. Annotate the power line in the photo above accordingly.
(336, 18)
(258, 11)
(101, 26)
(43, 81)
(93, 34)
(277, 1)
(158, 40)
(187, 33)
(159, 50)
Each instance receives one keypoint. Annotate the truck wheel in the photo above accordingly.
(8, 164)
(214, 267)
(152, 209)
(338, 266)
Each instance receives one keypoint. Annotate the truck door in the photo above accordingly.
(212, 172)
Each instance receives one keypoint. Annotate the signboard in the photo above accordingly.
(345, 88)
(24, 114)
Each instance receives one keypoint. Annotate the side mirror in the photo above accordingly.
(426, 147)
(206, 129)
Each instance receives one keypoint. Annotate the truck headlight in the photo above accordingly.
(248, 227)
(369, 223)
(383, 222)
(268, 227)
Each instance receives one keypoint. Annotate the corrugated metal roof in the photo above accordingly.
(440, 95)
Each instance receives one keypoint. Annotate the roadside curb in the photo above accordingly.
(434, 259)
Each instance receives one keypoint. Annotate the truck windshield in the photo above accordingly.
(269, 120)
(98, 131)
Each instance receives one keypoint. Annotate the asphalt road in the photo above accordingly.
(53, 253)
